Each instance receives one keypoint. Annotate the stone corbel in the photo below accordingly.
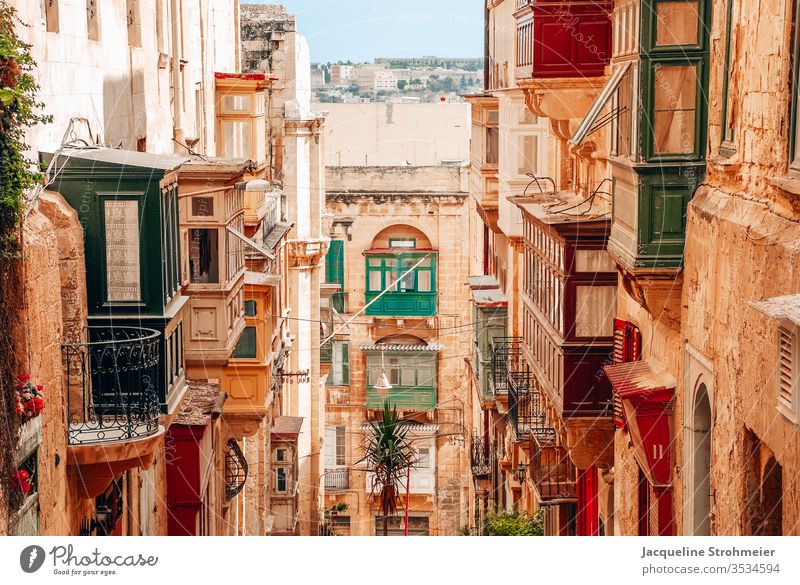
(590, 441)
(658, 293)
(306, 254)
(239, 426)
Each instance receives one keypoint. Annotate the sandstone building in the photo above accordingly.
(386, 222)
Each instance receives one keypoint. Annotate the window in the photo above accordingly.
(202, 206)
(340, 366)
(528, 155)
(677, 23)
(726, 139)
(246, 347)
(280, 455)
(492, 145)
(794, 138)
(123, 279)
(236, 138)
(383, 271)
(250, 308)
(335, 447)
(237, 104)
(50, 15)
(788, 373)
(134, 24)
(402, 243)
(408, 371)
(203, 256)
(334, 273)
(624, 119)
(281, 480)
(92, 20)
(675, 108)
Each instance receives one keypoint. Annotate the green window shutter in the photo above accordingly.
(334, 263)
(345, 364)
(246, 347)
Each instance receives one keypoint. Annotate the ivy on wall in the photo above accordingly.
(19, 111)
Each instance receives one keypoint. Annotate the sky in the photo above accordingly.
(360, 30)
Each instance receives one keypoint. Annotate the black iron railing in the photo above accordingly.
(111, 385)
(507, 359)
(336, 480)
(235, 470)
(482, 456)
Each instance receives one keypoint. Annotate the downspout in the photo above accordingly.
(486, 47)
(177, 88)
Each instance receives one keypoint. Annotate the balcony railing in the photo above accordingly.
(337, 480)
(236, 470)
(482, 456)
(506, 358)
(552, 471)
(111, 385)
(526, 414)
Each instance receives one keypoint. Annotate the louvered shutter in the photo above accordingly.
(330, 448)
(345, 364)
(786, 376)
(627, 348)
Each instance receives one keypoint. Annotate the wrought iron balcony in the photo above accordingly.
(111, 385)
(526, 414)
(482, 456)
(236, 469)
(552, 471)
(337, 480)
(507, 359)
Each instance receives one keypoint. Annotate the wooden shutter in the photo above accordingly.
(345, 364)
(334, 263)
(330, 447)
(786, 377)
(627, 348)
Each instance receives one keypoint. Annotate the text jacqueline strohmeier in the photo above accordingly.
(711, 551)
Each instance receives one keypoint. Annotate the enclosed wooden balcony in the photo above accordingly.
(552, 472)
(562, 39)
(113, 404)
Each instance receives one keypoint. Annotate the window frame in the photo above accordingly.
(387, 272)
(144, 284)
(344, 364)
(794, 96)
(648, 128)
(727, 146)
(235, 352)
(650, 28)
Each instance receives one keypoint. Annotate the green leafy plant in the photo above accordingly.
(18, 111)
(388, 456)
(514, 524)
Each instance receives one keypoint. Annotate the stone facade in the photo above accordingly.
(381, 204)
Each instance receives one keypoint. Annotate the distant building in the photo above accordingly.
(341, 74)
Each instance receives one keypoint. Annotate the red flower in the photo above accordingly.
(23, 377)
(39, 387)
(22, 479)
(37, 405)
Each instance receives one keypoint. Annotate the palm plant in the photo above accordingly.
(388, 456)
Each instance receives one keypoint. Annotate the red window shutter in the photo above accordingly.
(627, 348)
(644, 505)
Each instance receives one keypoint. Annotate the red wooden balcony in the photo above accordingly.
(552, 471)
(563, 39)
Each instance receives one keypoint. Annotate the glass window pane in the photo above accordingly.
(408, 377)
(203, 256)
(122, 250)
(625, 118)
(492, 145)
(236, 103)
(424, 281)
(236, 138)
(426, 376)
(374, 280)
(675, 89)
(676, 23)
(202, 206)
(528, 154)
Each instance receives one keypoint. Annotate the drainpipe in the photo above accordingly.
(177, 91)
(486, 47)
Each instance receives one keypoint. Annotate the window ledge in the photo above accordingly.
(787, 183)
(727, 160)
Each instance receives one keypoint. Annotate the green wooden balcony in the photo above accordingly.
(413, 304)
(403, 397)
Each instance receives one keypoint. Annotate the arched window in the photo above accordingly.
(701, 463)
